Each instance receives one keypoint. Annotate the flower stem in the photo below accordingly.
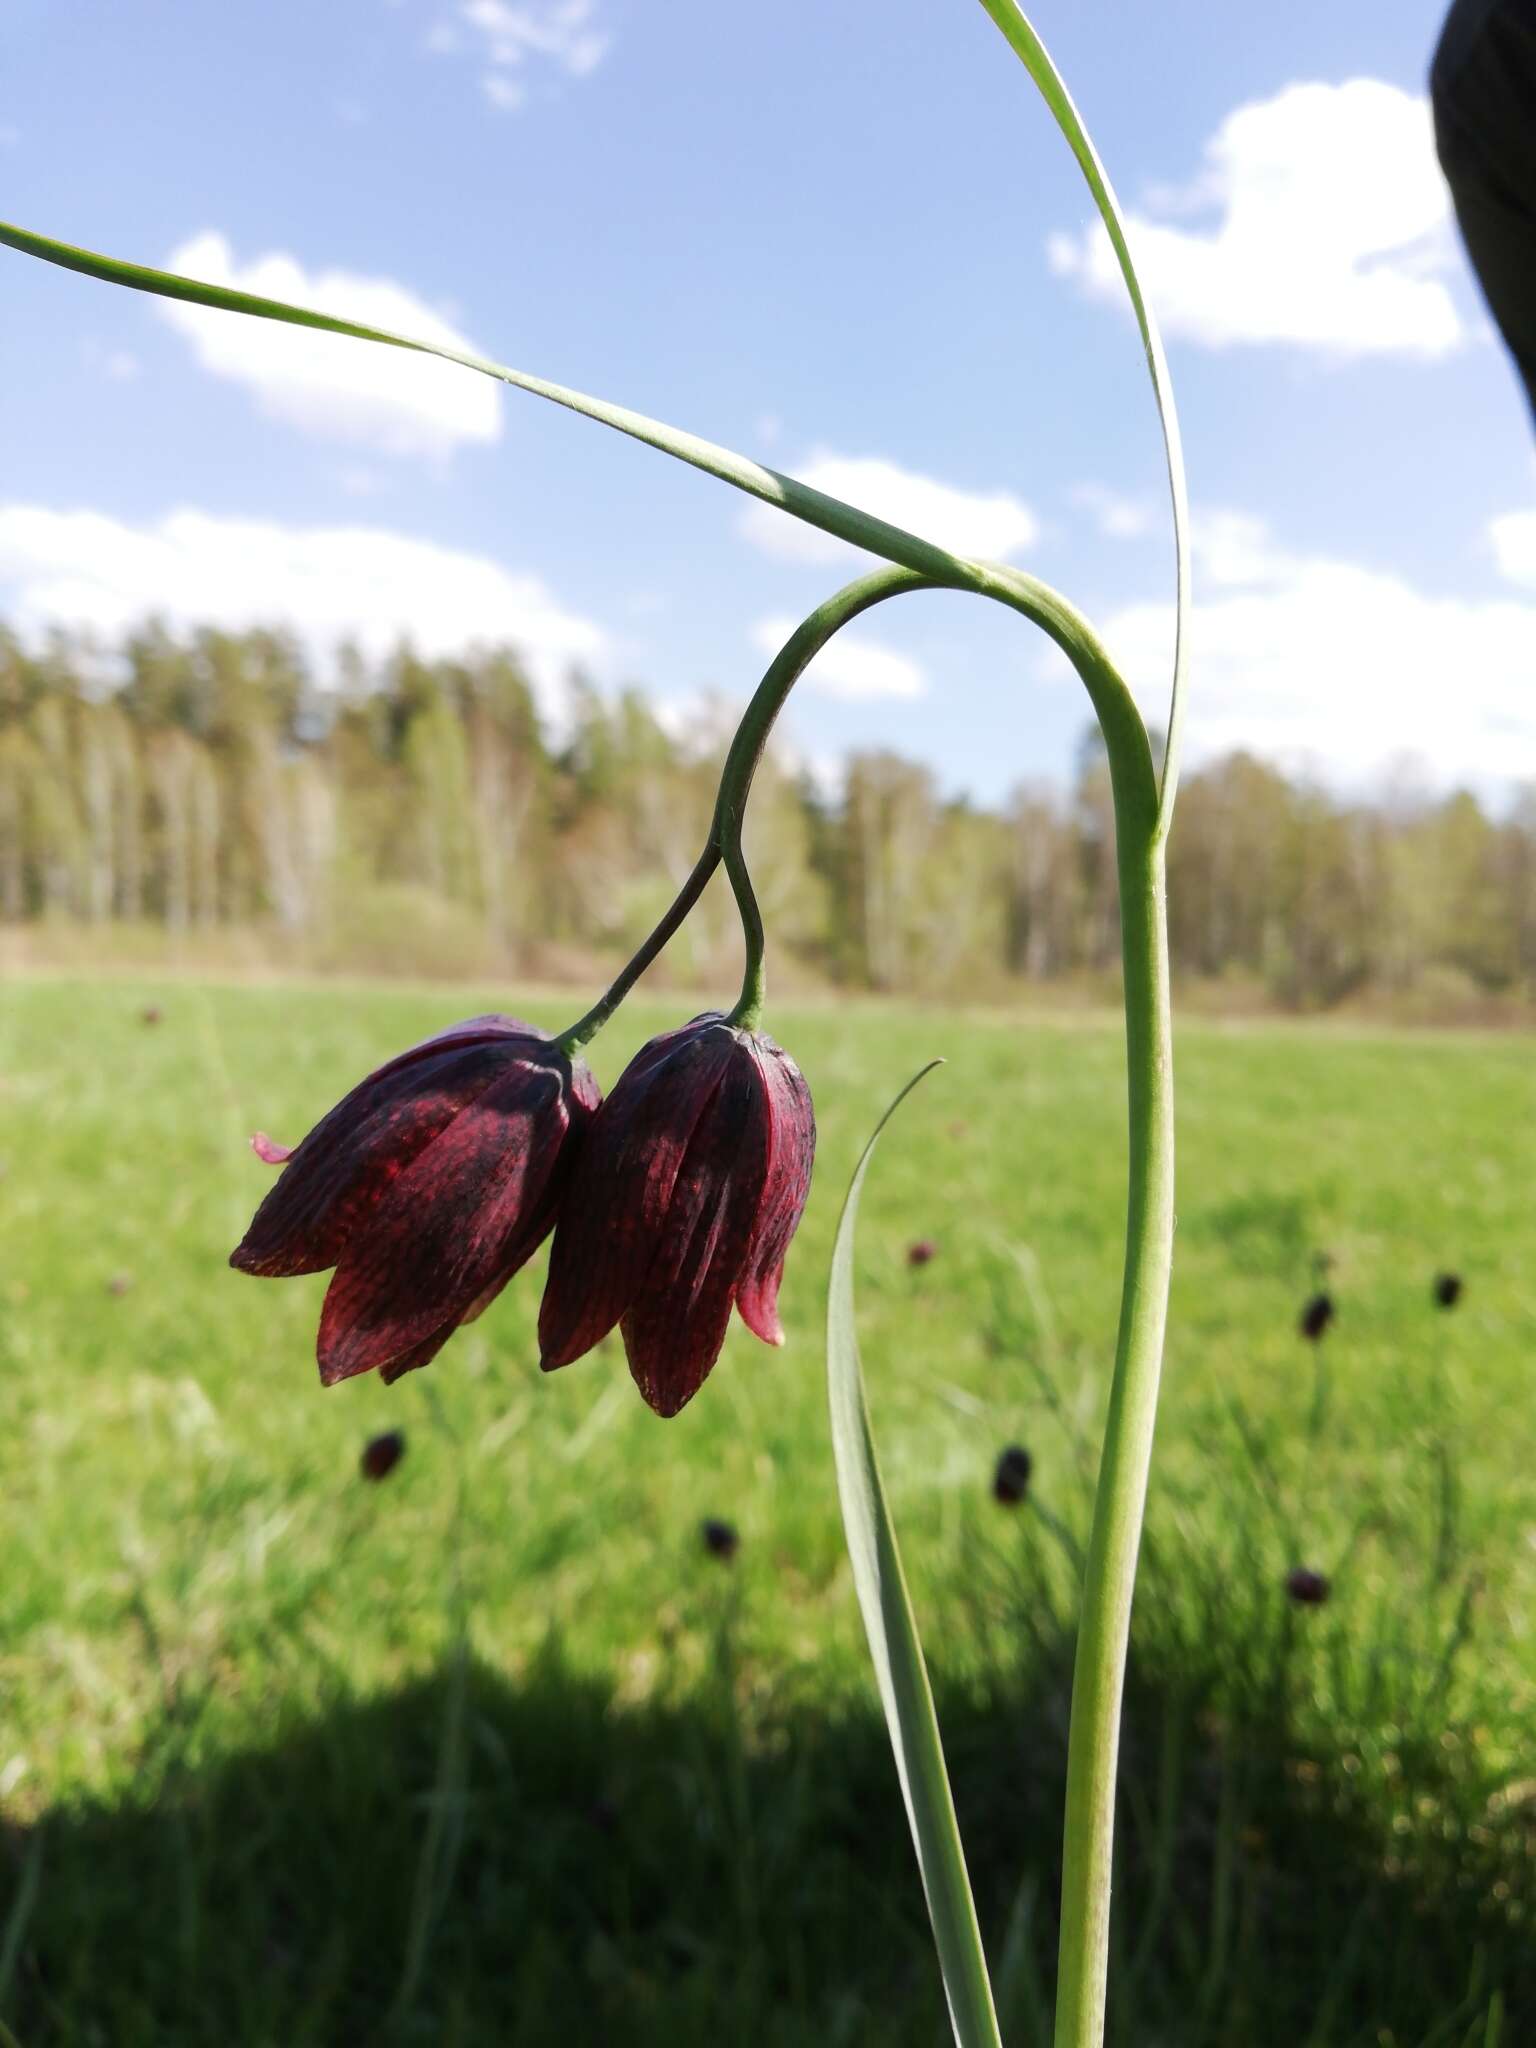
(1140, 829)
(1120, 1498)
(587, 1027)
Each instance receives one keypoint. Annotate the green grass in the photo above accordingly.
(495, 1752)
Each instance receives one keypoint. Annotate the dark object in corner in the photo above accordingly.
(1482, 84)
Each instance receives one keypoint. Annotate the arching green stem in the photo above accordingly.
(587, 1027)
(1120, 1498)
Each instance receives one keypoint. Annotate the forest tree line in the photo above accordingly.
(420, 814)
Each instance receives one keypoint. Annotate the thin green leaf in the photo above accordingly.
(1022, 38)
(815, 507)
(896, 1649)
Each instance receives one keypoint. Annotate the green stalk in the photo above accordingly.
(1120, 1498)
(586, 1028)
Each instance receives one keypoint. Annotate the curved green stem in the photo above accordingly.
(748, 1012)
(1019, 33)
(587, 1027)
(801, 501)
(1120, 1497)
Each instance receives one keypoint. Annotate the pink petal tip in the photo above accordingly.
(269, 1153)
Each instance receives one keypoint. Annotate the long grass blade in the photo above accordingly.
(900, 1672)
(1021, 37)
(816, 508)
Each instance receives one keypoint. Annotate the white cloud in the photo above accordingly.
(83, 569)
(385, 398)
(115, 364)
(1330, 221)
(514, 38)
(851, 668)
(1116, 516)
(992, 523)
(1513, 536)
(357, 480)
(1335, 667)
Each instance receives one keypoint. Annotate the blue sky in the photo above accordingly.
(843, 238)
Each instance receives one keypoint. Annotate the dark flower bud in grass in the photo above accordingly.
(720, 1538)
(1447, 1289)
(1316, 1317)
(426, 1188)
(1306, 1588)
(381, 1454)
(920, 1253)
(682, 1203)
(150, 1014)
(119, 1285)
(1010, 1480)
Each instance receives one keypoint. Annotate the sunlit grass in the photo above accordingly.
(202, 1601)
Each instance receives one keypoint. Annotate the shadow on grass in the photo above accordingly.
(471, 1861)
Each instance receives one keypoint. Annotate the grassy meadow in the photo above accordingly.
(498, 1750)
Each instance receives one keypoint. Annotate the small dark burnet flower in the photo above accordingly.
(1316, 1317)
(119, 1285)
(150, 1014)
(1307, 1588)
(1010, 1480)
(682, 1202)
(603, 1813)
(426, 1187)
(381, 1454)
(1447, 1289)
(920, 1253)
(720, 1538)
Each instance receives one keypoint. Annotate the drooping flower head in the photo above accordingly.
(1307, 1587)
(1010, 1476)
(681, 1205)
(1316, 1317)
(426, 1187)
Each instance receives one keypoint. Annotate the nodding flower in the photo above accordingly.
(1447, 1289)
(1010, 1477)
(1306, 1587)
(426, 1187)
(1316, 1317)
(682, 1203)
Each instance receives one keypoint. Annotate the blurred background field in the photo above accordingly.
(219, 803)
(500, 1748)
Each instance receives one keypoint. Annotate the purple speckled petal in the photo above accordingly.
(792, 1153)
(674, 1328)
(348, 1161)
(468, 1211)
(615, 1205)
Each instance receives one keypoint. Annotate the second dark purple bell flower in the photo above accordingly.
(681, 1205)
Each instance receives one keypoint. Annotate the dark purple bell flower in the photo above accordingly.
(1306, 1587)
(1316, 1317)
(426, 1188)
(681, 1204)
(381, 1454)
(1010, 1477)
